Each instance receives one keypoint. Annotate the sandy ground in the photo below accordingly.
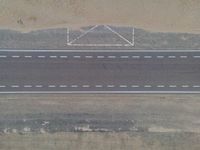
(154, 15)
(167, 121)
(100, 141)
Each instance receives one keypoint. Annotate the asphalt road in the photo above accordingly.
(121, 72)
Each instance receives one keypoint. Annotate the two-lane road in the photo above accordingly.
(99, 72)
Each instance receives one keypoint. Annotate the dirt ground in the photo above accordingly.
(101, 141)
(154, 15)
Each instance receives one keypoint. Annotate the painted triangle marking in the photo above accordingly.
(126, 42)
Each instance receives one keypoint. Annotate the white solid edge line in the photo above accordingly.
(100, 92)
(103, 50)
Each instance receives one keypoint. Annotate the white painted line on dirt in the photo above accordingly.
(119, 35)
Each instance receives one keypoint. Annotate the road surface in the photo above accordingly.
(99, 72)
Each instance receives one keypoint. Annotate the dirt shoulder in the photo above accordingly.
(101, 112)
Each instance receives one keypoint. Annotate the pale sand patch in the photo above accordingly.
(154, 15)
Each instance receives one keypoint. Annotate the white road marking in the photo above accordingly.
(110, 86)
(136, 57)
(77, 56)
(28, 86)
(63, 56)
(28, 56)
(3, 56)
(185, 86)
(135, 86)
(51, 86)
(86, 86)
(196, 86)
(124, 57)
(172, 86)
(2, 86)
(183, 56)
(147, 86)
(41, 56)
(160, 86)
(88, 56)
(53, 56)
(172, 57)
(63, 86)
(160, 57)
(196, 56)
(112, 57)
(148, 57)
(100, 57)
(15, 86)
(15, 56)
(74, 86)
(123, 86)
(98, 86)
(39, 86)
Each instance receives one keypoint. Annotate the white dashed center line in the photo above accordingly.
(63, 56)
(112, 57)
(53, 56)
(148, 57)
(15, 56)
(160, 57)
(3, 56)
(172, 57)
(183, 56)
(28, 56)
